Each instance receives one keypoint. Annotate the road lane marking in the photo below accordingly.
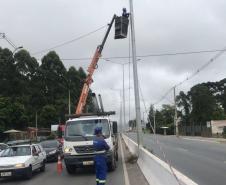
(124, 165)
(182, 149)
(200, 140)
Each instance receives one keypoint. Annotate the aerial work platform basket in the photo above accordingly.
(121, 27)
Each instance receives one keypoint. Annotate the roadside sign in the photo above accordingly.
(208, 124)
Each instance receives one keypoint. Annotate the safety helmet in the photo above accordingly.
(98, 130)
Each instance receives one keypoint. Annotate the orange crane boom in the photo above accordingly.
(91, 69)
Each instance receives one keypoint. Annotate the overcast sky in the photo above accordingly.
(161, 26)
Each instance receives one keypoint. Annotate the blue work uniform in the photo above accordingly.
(100, 160)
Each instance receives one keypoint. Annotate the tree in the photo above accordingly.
(48, 116)
(203, 104)
(224, 98)
(12, 114)
(74, 82)
(183, 103)
(8, 74)
(53, 75)
(28, 88)
(163, 117)
(168, 114)
(151, 114)
(25, 64)
(224, 132)
(132, 123)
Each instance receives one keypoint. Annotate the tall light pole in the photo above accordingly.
(135, 77)
(69, 101)
(123, 97)
(175, 115)
(122, 103)
(36, 126)
(17, 48)
(121, 113)
(69, 96)
(154, 120)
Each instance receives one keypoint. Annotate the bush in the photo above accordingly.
(224, 132)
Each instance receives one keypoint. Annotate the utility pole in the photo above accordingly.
(121, 113)
(129, 71)
(175, 115)
(36, 126)
(69, 101)
(143, 118)
(123, 97)
(154, 121)
(135, 75)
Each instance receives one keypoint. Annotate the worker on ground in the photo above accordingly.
(100, 160)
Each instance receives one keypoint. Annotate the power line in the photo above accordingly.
(201, 68)
(164, 96)
(70, 41)
(3, 36)
(150, 55)
(182, 53)
(156, 139)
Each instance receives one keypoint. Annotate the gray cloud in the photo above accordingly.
(161, 27)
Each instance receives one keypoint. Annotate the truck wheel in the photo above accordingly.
(116, 156)
(112, 165)
(70, 169)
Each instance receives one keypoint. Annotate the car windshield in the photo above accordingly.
(49, 144)
(3, 147)
(84, 129)
(17, 151)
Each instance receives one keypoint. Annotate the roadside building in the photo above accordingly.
(217, 126)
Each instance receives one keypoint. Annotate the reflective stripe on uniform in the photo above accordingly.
(97, 180)
(100, 152)
(102, 181)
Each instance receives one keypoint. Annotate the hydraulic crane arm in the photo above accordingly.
(91, 69)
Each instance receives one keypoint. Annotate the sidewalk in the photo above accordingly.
(135, 175)
(207, 139)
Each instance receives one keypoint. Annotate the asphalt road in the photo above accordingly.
(202, 161)
(82, 177)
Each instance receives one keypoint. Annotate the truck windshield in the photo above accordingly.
(84, 129)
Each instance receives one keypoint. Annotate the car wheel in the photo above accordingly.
(70, 169)
(43, 167)
(29, 173)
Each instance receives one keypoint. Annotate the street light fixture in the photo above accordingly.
(16, 49)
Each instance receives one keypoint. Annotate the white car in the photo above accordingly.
(22, 160)
(3, 147)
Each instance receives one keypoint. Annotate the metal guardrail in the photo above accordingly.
(156, 171)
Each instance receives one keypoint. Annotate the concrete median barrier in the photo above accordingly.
(156, 171)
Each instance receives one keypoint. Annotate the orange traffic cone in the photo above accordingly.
(59, 165)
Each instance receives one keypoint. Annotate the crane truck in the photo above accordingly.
(79, 128)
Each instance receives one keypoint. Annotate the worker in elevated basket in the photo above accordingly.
(100, 160)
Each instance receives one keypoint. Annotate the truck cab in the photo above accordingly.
(78, 147)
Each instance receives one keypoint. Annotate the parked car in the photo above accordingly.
(3, 146)
(53, 149)
(18, 142)
(22, 160)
